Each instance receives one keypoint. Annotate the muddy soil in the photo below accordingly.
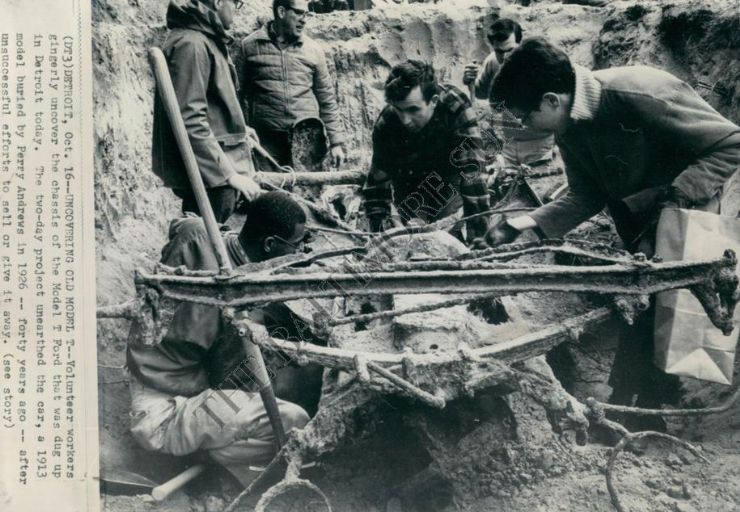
(394, 469)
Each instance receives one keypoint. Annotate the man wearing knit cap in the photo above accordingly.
(195, 391)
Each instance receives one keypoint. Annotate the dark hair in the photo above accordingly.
(406, 76)
(532, 69)
(272, 213)
(279, 3)
(502, 28)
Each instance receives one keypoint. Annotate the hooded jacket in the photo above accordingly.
(204, 79)
(282, 86)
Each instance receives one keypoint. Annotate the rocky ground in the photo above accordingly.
(698, 41)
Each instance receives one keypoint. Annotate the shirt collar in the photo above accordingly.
(587, 96)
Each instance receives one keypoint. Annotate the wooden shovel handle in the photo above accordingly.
(161, 492)
(166, 90)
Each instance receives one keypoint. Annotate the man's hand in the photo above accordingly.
(501, 233)
(245, 185)
(336, 154)
(470, 73)
(252, 134)
(672, 197)
(675, 198)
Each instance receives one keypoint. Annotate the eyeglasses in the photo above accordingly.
(298, 246)
(299, 12)
(238, 4)
(525, 115)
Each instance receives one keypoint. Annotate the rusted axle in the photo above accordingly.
(510, 351)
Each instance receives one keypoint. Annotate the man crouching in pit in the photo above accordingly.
(184, 395)
(427, 153)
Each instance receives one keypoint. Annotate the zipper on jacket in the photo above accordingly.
(285, 82)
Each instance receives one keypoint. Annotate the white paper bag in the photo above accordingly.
(686, 342)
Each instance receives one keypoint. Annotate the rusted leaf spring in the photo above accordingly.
(713, 281)
(433, 378)
(511, 351)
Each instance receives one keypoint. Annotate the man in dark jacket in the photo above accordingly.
(633, 139)
(284, 79)
(427, 155)
(193, 391)
(204, 79)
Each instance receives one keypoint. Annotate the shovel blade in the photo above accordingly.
(119, 481)
(308, 146)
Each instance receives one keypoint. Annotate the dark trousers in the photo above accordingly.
(277, 143)
(223, 201)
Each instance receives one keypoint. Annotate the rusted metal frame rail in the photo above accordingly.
(564, 250)
(609, 280)
(592, 250)
(385, 266)
(281, 179)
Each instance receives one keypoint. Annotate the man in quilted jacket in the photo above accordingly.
(284, 79)
(204, 80)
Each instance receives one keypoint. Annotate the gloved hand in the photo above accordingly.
(672, 197)
(378, 223)
(499, 234)
(476, 229)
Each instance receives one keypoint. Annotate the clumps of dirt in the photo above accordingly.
(696, 41)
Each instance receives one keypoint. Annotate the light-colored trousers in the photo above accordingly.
(231, 425)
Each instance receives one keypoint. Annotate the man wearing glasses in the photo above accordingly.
(284, 79)
(203, 77)
(636, 140)
(194, 390)
(521, 145)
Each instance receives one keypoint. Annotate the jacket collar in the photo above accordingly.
(235, 249)
(587, 96)
(267, 33)
(196, 15)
